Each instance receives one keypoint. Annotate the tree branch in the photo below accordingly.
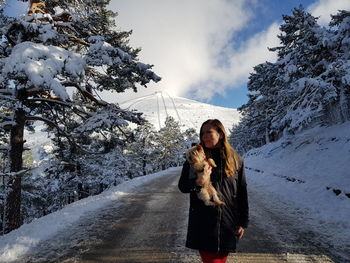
(93, 72)
(6, 92)
(19, 173)
(60, 131)
(85, 93)
(7, 125)
(8, 97)
(6, 117)
(4, 148)
(76, 40)
(63, 103)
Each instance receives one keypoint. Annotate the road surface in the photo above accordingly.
(149, 225)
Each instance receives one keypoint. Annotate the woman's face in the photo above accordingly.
(210, 136)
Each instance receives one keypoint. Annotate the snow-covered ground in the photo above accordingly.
(19, 242)
(305, 171)
(309, 170)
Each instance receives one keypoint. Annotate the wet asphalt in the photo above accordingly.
(149, 225)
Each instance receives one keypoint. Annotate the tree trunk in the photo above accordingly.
(13, 199)
(144, 164)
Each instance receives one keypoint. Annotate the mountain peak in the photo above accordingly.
(189, 113)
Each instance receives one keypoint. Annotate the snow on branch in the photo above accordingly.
(7, 97)
(101, 52)
(70, 138)
(7, 124)
(106, 118)
(85, 93)
(42, 65)
(6, 117)
(4, 148)
(16, 174)
(53, 101)
(7, 91)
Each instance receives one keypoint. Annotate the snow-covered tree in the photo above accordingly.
(171, 143)
(313, 95)
(144, 151)
(58, 49)
(338, 71)
(260, 109)
(307, 86)
(301, 58)
(190, 137)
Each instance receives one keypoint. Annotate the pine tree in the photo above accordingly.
(171, 143)
(259, 111)
(190, 136)
(301, 59)
(61, 46)
(144, 150)
(338, 72)
(307, 86)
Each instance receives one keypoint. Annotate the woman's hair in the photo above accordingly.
(233, 159)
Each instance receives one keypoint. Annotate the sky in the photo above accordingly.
(204, 49)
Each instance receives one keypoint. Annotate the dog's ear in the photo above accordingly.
(199, 147)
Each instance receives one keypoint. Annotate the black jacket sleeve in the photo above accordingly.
(187, 182)
(243, 198)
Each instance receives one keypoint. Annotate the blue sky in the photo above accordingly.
(266, 12)
(205, 49)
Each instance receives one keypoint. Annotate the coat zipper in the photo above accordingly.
(219, 229)
(220, 212)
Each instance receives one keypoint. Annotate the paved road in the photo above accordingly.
(150, 226)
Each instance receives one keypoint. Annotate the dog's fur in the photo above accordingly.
(196, 157)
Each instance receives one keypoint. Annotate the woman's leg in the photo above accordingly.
(213, 257)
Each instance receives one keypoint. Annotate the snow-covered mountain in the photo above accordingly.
(189, 113)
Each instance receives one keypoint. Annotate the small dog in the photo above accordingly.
(196, 157)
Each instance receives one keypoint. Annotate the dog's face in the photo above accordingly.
(195, 154)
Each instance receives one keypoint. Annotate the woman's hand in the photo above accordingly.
(204, 176)
(240, 233)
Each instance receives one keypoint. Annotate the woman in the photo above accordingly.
(214, 230)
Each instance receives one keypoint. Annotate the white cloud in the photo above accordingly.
(181, 38)
(324, 8)
(189, 42)
(241, 63)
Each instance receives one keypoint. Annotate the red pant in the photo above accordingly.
(213, 257)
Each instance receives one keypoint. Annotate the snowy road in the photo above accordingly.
(149, 225)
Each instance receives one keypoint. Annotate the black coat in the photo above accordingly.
(212, 228)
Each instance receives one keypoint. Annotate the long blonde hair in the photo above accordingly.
(233, 159)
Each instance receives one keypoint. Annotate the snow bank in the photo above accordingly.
(15, 244)
(311, 170)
